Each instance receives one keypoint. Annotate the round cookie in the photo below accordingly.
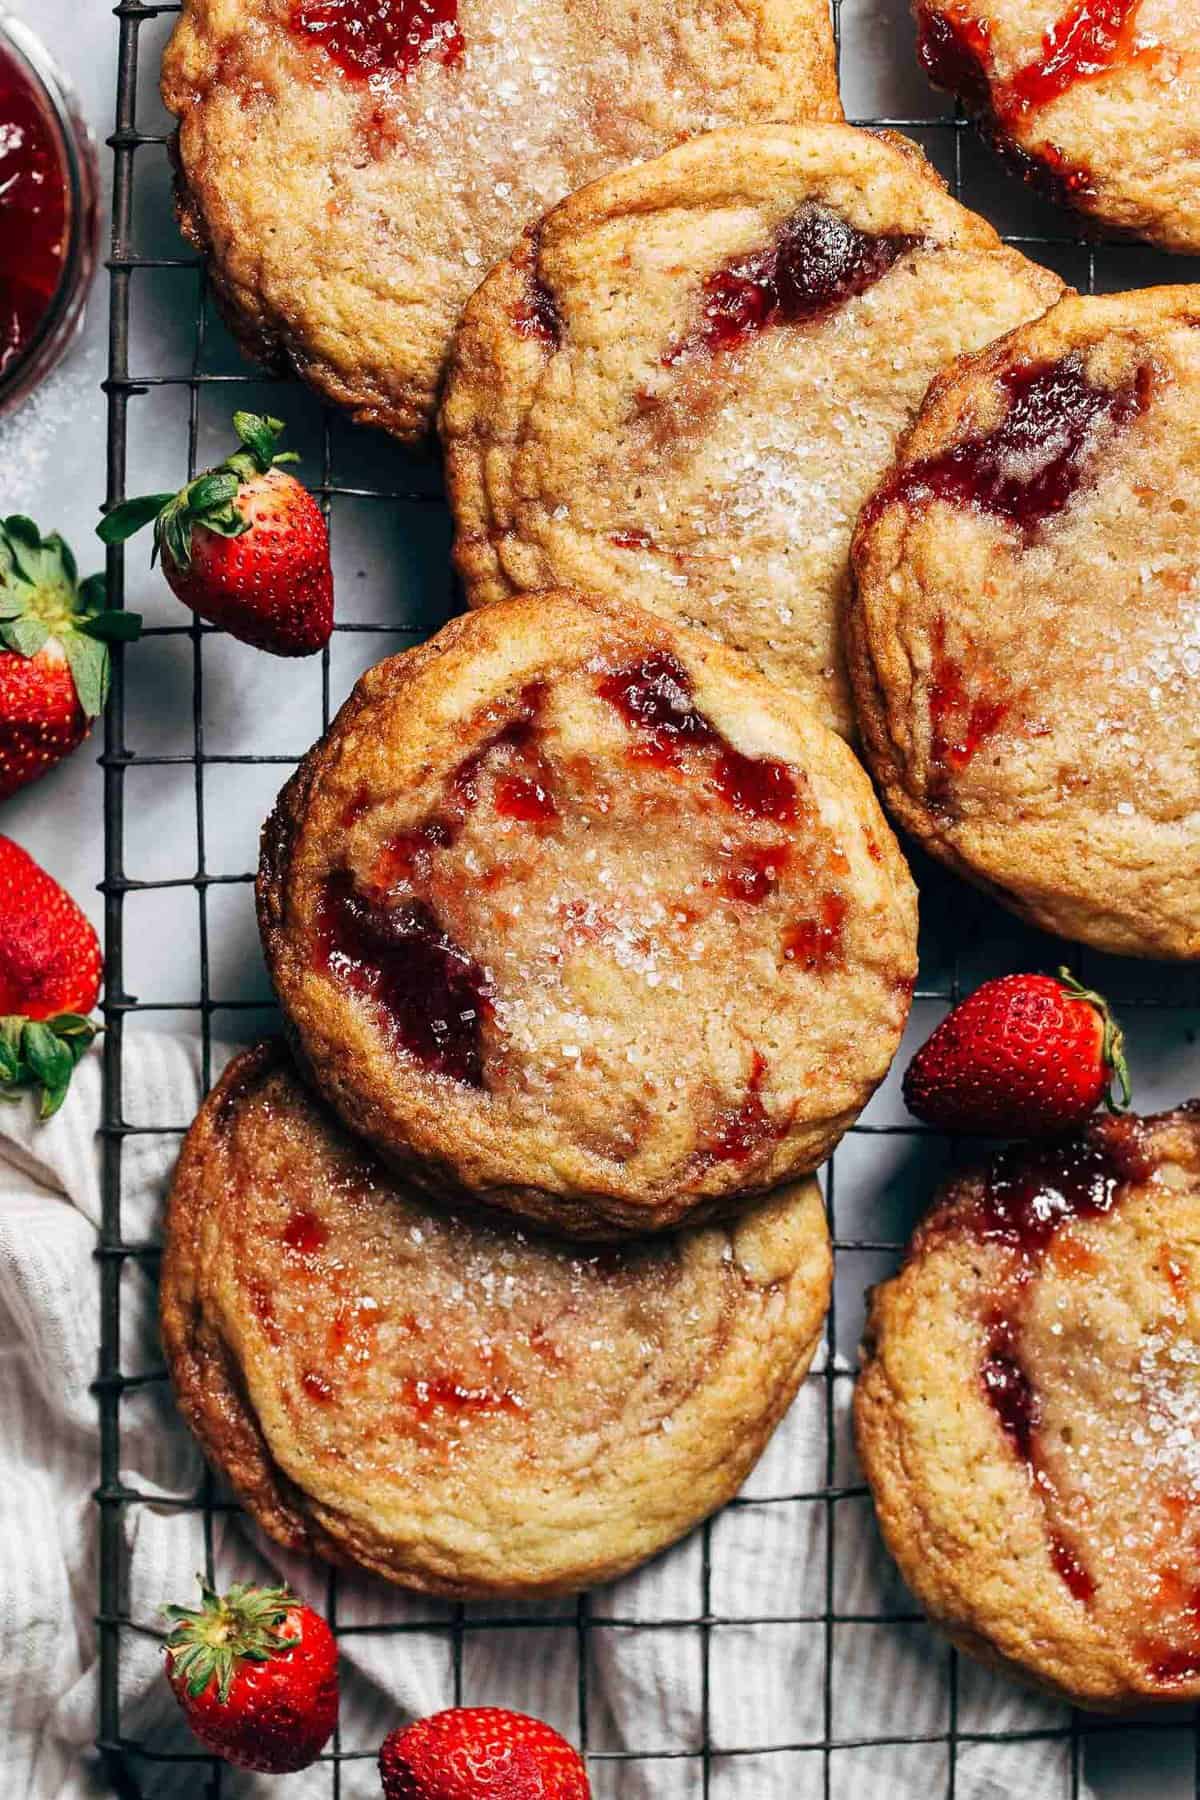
(353, 167)
(1028, 1412)
(688, 379)
(459, 1407)
(1024, 642)
(1096, 102)
(573, 911)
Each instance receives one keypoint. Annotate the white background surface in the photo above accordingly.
(390, 562)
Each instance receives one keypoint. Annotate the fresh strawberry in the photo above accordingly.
(54, 634)
(1023, 1056)
(50, 970)
(244, 545)
(481, 1753)
(256, 1675)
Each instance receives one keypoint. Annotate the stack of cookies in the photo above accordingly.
(590, 936)
(584, 931)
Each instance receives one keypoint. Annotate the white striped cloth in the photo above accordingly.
(644, 1688)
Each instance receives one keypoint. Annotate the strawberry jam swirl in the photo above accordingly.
(1030, 1194)
(815, 263)
(964, 714)
(384, 941)
(343, 1349)
(462, 932)
(441, 1399)
(1026, 471)
(33, 212)
(1093, 38)
(1090, 41)
(432, 996)
(1030, 466)
(376, 40)
(654, 697)
(742, 1132)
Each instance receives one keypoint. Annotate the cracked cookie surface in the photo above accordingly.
(1024, 638)
(1028, 1412)
(453, 1404)
(573, 911)
(352, 170)
(686, 381)
(1095, 102)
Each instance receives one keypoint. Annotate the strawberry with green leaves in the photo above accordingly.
(256, 1673)
(1023, 1056)
(50, 970)
(54, 661)
(244, 545)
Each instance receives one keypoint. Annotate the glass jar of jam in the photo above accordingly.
(49, 225)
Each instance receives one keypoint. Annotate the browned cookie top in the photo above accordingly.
(1025, 639)
(685, 383)
(460, 1407)
(1029, 1411)
(354, 167)
(574, 910)
(1095, 101)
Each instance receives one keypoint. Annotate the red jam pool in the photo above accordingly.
(47, 214)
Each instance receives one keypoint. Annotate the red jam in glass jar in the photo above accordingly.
(33, 210)
(47, 213)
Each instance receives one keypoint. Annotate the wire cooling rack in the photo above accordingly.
(874, 1185)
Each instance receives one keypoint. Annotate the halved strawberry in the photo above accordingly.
(54, 662)
(244, 545)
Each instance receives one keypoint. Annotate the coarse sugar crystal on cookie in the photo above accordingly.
(684, 383)
(573, 912)
(352, 168)
(1028, 1412)
(1096, 102)
(1024, 639)
(451, 1403)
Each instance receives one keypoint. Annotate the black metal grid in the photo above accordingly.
(128, 1762)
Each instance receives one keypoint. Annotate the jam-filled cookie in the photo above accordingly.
(451, 1403)
(574, 911)
(1024, 641)
(686, 381)
(353, 167)
(1029, 1411)
(1096, 102)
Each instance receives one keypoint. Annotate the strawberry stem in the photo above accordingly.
(210, 500)
(1112, 1044)
(260, 436)
(42, 599)
(42, 1054)
(208, 1641)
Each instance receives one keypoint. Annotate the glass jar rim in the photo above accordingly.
(64, 315)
